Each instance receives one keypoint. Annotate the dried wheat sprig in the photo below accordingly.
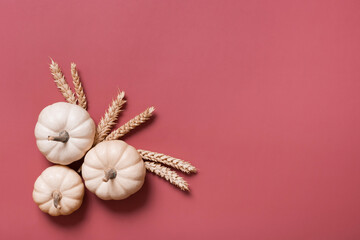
(182, 165)
(61, 82)
(167, 174)
(110, 118)
(81, 97)
(133, 123)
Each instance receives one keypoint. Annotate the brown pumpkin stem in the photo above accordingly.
(63, 137)
(56, 198)
(109, 174)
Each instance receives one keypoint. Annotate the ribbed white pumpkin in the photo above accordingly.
(64, 132)
(59, 190)
(113, 170)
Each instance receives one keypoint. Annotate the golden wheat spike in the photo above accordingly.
(182, 165)
(61, 82)
(79, 90)
(167, 174)
(109, 120)
(133, 123)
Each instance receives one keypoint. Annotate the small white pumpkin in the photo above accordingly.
(59, 190)
(64, 132)
(113, 170)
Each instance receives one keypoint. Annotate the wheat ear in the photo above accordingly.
(81, 97)
(182, 165)
(133, 123)
(110, 118)
(168, 174)
(61, 82)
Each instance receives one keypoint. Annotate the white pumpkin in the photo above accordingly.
(59, 190)
(64, 132)
(113, 170)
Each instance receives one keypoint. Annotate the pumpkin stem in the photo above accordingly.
(57, 197)
(109, 174)
(63, 137)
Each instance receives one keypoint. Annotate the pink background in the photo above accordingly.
(262, 96)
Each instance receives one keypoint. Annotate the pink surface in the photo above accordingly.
(263, 97)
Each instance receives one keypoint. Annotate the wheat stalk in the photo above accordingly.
(61, 82)
(133, 123)
(81, 98)
(182, 165)
(110, 118)
(168, 174)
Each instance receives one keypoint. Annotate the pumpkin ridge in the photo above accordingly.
(71, 199)
(44, 191)
(66, 205)
(76, 146)
(51, 119)
(47, 128)
(44, 194)
(113, 154)
(64, 192)
(72, 109)
(87, 181)
(118, 183)
(82, 116)
(130, 177)
(63, 179)
(47, 202)
(98, 188)
(78, 126)
(43, 180)
(62, 168)
(40, 192)
(89, 166)
(97, 180)
(122, 154)
(82, 137)
(68, 111)
(109, 189)
(122, 168)
(99, 159)
(50, 149)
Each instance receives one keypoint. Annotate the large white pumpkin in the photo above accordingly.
(64, 132)
(113, 170)
(59, 190)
